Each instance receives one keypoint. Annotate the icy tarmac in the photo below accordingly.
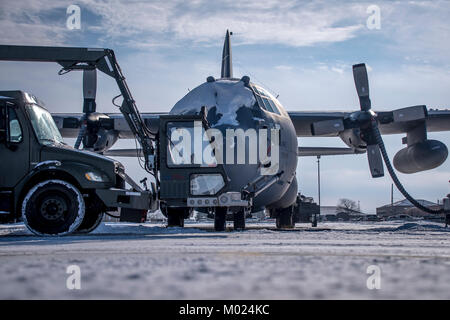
(149, 261)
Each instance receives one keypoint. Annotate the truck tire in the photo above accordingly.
(220, 219)
(90, 222)
(285, 218)
(53, 208)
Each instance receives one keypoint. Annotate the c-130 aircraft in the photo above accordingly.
(237, 103)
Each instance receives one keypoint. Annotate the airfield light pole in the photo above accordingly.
(318, 177)
(318, 189)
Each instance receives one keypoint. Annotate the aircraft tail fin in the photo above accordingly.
(227, 65)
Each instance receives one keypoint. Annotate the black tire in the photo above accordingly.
(314, 221)
(285, 219)
(175, 217)
(53, 207)
(90, 222)
(239, 220)
(6, 219)
(220, 219)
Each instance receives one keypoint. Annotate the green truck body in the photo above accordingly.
(32, 152)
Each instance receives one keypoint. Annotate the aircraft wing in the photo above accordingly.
(69, 123)
(435, 120)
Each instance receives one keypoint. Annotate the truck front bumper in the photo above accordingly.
(121, 198)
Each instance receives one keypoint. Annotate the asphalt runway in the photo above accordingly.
(149, 261)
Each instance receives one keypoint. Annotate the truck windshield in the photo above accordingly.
(45, 128)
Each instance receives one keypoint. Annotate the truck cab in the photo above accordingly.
(54, 188)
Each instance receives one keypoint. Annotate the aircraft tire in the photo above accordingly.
(220, 219)
(285, 218)
(175, 217)
(239, 220)
(314, 221)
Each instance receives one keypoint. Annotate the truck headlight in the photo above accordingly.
(206, 184)
(95, 177)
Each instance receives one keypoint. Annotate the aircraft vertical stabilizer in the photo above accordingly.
(227, 66)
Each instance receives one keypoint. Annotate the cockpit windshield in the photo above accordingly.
(265, 100)
(45, 128)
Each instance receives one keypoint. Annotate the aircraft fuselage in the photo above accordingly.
(240, 108)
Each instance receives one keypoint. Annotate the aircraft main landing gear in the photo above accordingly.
(285, 218)
(314, 220)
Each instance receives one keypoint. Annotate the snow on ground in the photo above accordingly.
(149, 261)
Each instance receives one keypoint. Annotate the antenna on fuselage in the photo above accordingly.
(227, 65)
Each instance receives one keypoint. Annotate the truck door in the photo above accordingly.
(14, 146)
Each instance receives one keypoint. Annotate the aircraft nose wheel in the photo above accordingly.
(239, 220)
(176, 216)
(220, 219)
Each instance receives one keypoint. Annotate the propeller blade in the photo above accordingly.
(70, 123)
(410, 114)
(327, 127)
(81, 133)
(89, 90)
(362, 85)
(123, 153)
(375, 161)
(89, 106)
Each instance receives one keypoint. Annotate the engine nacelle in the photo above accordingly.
(352, 138)
(100, 134)
(424, 155)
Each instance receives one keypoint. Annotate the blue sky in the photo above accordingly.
(301, 50)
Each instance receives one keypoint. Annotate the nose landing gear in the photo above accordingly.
(220, 219)
(239, 220)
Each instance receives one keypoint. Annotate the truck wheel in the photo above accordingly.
(53, 207)
(285, 219)
(90, 222)
(239, 220)
(220, 219)
(175, 217)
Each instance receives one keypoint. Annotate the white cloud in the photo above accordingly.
(283, 67)
(21, 23)
(337, 70)
(289, 23)
(418, 30)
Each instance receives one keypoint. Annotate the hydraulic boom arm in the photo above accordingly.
(89, 58)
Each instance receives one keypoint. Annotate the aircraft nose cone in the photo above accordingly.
(223, 98)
